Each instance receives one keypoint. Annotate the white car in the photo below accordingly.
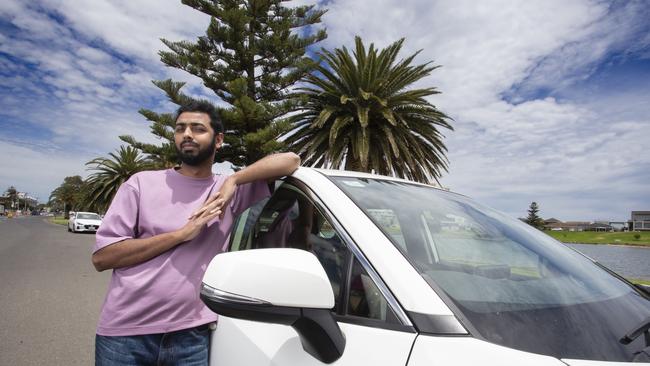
(347, 268)
(84, 221)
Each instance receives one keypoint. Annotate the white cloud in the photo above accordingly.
(508, 154)
(565, 148)
(45, 172)
(618, 31)
(82, 94)
(132, 27)
(82, 77)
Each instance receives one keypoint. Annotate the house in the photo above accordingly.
(576, 225)
(558, 225)
(640, 221)
(598, 226)
(552, 224)
(618, 225)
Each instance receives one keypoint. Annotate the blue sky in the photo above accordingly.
(550, 99)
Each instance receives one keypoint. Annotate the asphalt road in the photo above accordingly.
(50, 294)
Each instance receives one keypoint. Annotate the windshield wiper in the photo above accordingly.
(643, 328)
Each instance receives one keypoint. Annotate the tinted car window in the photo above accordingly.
(515, 285)
(290, 220)
(88, 216)
(364, 298)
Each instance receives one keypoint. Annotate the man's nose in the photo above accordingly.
(187, 133)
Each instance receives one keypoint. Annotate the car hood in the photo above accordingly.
(469, 351)
(88, 222)
(599, 363)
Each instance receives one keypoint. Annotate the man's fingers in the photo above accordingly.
(212, 198)
(218, 208)
(208, 216)
(197, 213)
(202, 220)
(215, 207)
(216, 211)
(200, 212)
(209, 203)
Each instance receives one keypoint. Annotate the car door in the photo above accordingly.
(375, 328)
(71, 219)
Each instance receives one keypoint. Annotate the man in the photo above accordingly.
(159, 234)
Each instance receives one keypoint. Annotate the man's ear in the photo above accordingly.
(218, 140)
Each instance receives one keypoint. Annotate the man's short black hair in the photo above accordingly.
(206, 107)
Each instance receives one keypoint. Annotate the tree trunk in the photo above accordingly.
(353, 164)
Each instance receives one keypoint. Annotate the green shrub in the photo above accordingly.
(637, 236)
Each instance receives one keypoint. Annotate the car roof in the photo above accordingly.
(91, 213)
(353, 174)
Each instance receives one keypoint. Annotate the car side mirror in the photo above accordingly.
(281, 286)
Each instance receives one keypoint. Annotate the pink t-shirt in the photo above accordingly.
(162, 294)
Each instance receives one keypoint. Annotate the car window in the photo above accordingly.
(88, 216)
(388, 220)
(364, 299)
(289, 219)
(513, 284)
(240, 238)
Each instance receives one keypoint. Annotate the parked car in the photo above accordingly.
(84, 221)
(348, 268)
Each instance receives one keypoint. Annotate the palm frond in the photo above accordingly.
(361, 112)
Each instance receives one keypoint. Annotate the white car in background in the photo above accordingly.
(355, 269)
(84, 221)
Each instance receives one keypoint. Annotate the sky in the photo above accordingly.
(550, 99)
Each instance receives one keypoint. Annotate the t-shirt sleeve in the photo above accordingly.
(121, 218)
(249, 194)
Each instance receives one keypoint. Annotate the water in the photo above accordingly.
(629, 262)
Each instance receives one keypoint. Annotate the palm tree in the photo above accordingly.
(110, 173)
(68, 194)
(360, 112)
(10, 198)
(11, 193)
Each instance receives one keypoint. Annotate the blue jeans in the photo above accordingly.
(187, 347)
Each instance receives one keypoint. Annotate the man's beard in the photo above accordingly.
(201, 156)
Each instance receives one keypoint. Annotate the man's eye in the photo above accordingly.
(198, 129)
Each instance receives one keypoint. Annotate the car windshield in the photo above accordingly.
(509, 283)
(88, 216)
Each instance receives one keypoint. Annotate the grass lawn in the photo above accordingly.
(642, 282)
(594, 237)
(59, 220)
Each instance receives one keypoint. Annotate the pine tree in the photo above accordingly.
(533, 219)
(252, 53)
